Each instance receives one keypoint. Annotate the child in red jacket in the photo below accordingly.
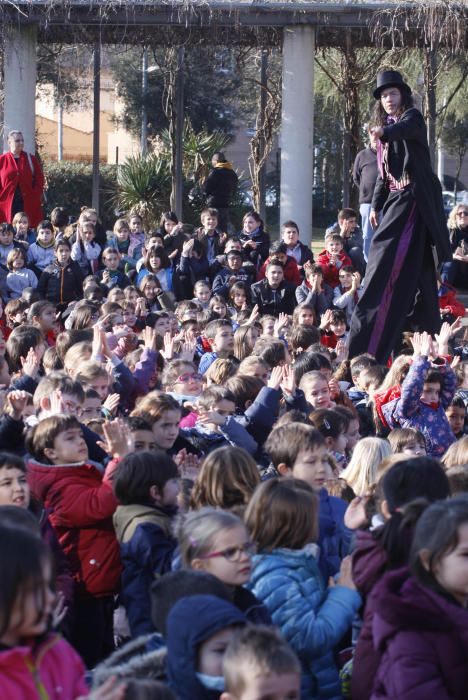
(332, 259)
(81, 501)
(278, 250)
(450, 307)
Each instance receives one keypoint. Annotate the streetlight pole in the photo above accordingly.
(144, 93)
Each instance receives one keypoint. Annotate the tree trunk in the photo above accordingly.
(430, 82)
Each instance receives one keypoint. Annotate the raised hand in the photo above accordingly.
(168, 350)
(326, 319)
(15, 403)
(119, 440)
(341, 350)
(355, 516)
(149, 338)
(111, 404)
(276, 377)
(281, 323)
(288, 382)
(30, 364)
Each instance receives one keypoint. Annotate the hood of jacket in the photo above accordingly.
(402, 603)
(127, 518)
(192, 621)
(291, 559)
(134, 660)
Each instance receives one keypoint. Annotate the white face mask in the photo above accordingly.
(211, 682)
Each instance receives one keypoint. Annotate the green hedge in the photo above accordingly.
(70, 186)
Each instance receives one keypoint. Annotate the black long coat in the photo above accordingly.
(409, 152)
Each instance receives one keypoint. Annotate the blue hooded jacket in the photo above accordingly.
(192, 621)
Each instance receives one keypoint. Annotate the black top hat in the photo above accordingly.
(390, 78)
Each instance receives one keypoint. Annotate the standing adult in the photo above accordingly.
(400, 284)
(365, 176)
(21, 182)
(220, 187)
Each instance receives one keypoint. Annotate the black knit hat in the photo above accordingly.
(390, 78)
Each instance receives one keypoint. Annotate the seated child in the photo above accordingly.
(193, 266)
(311, 617)
(258, 663)
(202, 293)
(274, 295)
(299, 450)
(220, 336)
(23, 234)
(19, 277)
(41, 253)
(350, 232)
(301, 252)
(111, 276)
(146, 485)
(209, 235)
(128, 245)
(348, 292)
(234, 271)
(62, 281)
(333, 327)
(217, 541)
(217, 425)
(85, 250)
(278, 251)
(199, 628)
(332, 259)
(82, 503)
(426, 393)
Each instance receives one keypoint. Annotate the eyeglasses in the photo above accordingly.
(188, 376)
(233, 553)
(462, 213)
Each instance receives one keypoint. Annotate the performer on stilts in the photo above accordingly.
(400, 287)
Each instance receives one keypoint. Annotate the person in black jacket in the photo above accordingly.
(220, 187)
(62, 280)
(254, 240)
(412, 238)
(273, 295)
(365, 176)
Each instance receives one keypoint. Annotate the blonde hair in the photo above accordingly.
(361, 472)
(456, 454)
(197, 532)
(89, 371)
(13, 254)
(76, 356)
(227, 479)
(452, 219)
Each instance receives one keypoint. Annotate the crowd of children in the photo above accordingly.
(202, 497)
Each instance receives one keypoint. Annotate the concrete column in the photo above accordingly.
(297, 128)
(20, 84)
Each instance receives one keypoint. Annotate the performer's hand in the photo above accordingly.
(377, 132)
(373, 218)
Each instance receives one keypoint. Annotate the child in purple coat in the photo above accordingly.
(421, 623)
(426, 393)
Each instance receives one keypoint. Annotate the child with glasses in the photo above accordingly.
(217, 541)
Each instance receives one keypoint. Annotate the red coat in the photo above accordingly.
(331, 272)
(448, 299)
(82, 503)
(291, 271)
(14, 173)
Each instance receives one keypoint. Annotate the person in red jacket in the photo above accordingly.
(450, 307)
(332, 259)
(290, 268)
(21, 182)
(81, 501)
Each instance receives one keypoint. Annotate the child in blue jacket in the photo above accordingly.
(147, 486)
(286, 578)
(299, 450)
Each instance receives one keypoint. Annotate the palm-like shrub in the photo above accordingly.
(198, 148)
(144, 187)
